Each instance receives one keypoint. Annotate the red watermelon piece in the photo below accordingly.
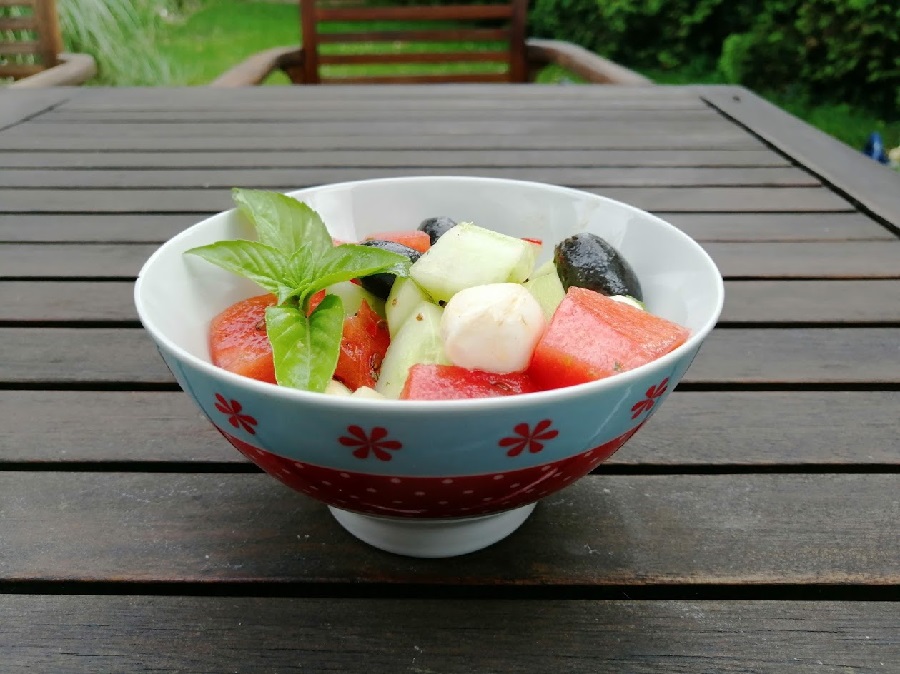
(591, 337)
(238, 341)
(364, 342)
(414, 239)
(449, 382)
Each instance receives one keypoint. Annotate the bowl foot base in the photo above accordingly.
(432, 538)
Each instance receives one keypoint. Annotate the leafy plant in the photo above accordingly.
(294, 258)
(120, 35)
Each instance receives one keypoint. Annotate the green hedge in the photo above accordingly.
(839, 50)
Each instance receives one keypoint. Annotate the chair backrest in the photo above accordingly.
(432, 43)
(30, 39)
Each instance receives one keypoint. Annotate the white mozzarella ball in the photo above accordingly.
(368, 392)
(336, 388)
(630, 301)
(492, 327)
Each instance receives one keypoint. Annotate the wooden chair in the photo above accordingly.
(504, 53)
(31, 47)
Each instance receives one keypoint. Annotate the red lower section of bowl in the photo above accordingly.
(428, 497)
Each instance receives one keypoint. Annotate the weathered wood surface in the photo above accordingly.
(97, 159)
(603, 530)
(713, 130)
(264, 177)
(757, 260)
(100, 634)
(669, 199)
(724, 429)
(836, 163)
(465, 96)
(770, 474)
(725, 227)
(429, 111)
(763, 303)
(487, 140)
(796, 356)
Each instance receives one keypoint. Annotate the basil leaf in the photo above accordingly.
(349, 261)
(251, 259)
(283, 222)
(306, 348)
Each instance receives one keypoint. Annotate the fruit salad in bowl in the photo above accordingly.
(429, 357)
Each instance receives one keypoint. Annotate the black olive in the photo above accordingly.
(380, 284)
(588, 261)
(435, 228)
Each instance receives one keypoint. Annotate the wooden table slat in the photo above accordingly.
(669, 199)
(723, 227)
(763, 303)
(824, 260)
(603, 530)
(554, 159)
(132, 633)
(610, 139)
(794, 356)
(263, 177)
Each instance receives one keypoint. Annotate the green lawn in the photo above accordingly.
(206, 42)
(222, 34)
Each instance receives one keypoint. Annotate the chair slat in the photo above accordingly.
(442, 35)
(419, 57)
(491, 32)
(17, 71)
(424, 13)
(19, 23)
(20, 48)
(421, 79)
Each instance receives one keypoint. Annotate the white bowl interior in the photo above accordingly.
(178, 295)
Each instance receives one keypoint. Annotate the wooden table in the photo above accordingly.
(751, 527)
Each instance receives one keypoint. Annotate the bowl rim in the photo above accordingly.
(392, 406)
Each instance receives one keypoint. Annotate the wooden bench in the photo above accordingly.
(31, 47)
(495, 34)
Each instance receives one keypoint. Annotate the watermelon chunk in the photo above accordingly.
(591, 337)
(238, 341)
(449, 382)
(364, 342)
(414, 239)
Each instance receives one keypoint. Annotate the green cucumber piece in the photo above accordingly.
(352, 296)
(467, 256)
(417, 341)
(403, 299)
(547, 268)
(548, 290)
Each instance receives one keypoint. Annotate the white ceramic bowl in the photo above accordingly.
(431, 478)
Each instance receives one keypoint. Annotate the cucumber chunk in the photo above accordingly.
(404, 298)
(352, 296)
(547, 289)
(467, 256)
(417, 341)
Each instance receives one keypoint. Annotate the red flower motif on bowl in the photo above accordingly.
(647, 403)
(374, 443)
(233, 409)
(524, 437)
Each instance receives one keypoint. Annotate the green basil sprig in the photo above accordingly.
(293, 259)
